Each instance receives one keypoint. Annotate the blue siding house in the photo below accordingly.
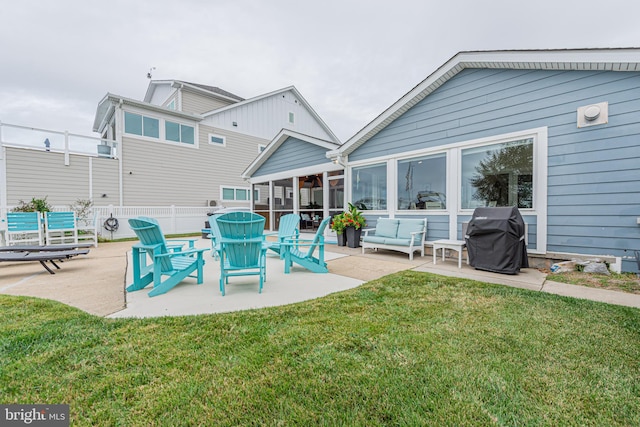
(555, 133)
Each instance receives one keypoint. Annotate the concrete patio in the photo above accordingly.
(95, 283)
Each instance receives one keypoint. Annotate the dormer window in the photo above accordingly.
(172, 105)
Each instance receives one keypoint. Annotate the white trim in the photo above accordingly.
(453, 187)
(162, 137)
(235, 188)
(500, 139)
(304, 171)
(276, 142)
(620, 60)
(453, 153)
(301, 100)
(217, 144)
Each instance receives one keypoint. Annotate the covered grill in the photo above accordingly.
(495, 240)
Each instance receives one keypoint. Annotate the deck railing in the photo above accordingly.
(56, 141)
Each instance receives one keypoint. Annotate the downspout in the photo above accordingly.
(119, 118)
(3, 178)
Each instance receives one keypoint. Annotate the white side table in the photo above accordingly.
(456, 245)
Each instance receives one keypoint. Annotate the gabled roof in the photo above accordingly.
(207, 90)
(276, 142)
(623, 59)
(277, 92)
(107, 105)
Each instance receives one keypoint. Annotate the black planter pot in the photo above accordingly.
(353, 237)
(342, 238)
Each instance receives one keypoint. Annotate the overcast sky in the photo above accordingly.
(349, 59)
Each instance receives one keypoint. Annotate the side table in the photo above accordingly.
(456, 245)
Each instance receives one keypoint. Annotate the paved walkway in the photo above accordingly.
(95, 283)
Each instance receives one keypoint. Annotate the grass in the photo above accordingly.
(408, 349)
(625, 282)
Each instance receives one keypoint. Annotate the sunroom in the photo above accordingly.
(294, 175)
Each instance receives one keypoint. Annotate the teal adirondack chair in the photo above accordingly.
(292, 252)
(242, 250)
(287, 229)
(60, 227)
(24, 228)
(170, 265)
(215, 237)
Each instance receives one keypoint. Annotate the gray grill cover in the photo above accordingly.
(495, 240)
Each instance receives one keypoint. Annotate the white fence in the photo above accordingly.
(172, 219)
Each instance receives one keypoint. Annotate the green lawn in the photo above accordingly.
(408, 349)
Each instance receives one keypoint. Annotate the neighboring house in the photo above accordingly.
(187, 144)
(555, 133)
(176, 155)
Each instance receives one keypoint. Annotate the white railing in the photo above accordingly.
(172, 219)
(56, 141)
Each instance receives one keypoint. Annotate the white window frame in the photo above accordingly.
(143, 136)
(539, 137)
(195, 133)
(217, 144)
(162, 139)
(292, 118)
(235, 189)
(454, 178)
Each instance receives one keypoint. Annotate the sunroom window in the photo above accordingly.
(422, 182)
(137, 124)
(369, 187)
(178, 132)
(498, 175)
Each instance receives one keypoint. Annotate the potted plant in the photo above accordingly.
(353, 221)
(337, 225)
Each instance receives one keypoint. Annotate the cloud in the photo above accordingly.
(349, 59)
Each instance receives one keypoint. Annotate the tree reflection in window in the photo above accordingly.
(503, 176)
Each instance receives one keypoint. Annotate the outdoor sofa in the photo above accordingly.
(397, 234)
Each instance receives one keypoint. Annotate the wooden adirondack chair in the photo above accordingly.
(292, 252)
(242, 249)
(24, 228)
(170, 265)
(288, 228)
(60, 228)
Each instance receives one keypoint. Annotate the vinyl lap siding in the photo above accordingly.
(40, 174)
(160, 174)
(196, 103)
(293, 153)
(105, 181)
(593, 173)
